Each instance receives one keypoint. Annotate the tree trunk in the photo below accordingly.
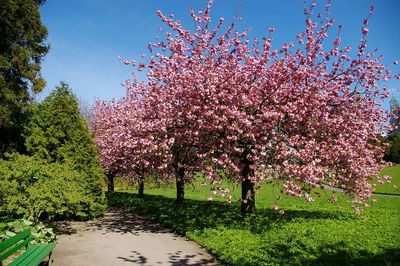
(248, 204)
(110, 182)
(141, 187)
(180, 185)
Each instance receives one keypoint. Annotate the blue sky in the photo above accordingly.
(86, 36)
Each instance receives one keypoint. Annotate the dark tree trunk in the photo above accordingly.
(110, 182)
(180, 185)
(248, 204)
(141, 187)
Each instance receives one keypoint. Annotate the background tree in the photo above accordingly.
(57, 132)
(168, 138)
(122, 133)
(22, 47)
(105, 127)
(86, 111)
(392, 153)
(394, 115)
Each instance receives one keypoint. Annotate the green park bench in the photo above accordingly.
(32, 255)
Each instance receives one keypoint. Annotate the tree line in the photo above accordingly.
(305, 114)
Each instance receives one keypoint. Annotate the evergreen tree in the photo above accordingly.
(22, 48)
(394, 115)
(392, 153)
(57, 132)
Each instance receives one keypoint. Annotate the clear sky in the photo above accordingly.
(86, 36)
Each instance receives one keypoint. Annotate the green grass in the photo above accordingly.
(394, 186)
(317, 233)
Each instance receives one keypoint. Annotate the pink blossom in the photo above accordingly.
(308, 198)
(212, 100)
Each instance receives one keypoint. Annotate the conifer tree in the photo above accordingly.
(57, 132)
(22, 47)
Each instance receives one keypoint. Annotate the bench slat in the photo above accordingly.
(26, 254)
(40, 256)
(15, 248)
(6, 244)
(37, 255)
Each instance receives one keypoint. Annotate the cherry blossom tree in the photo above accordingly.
(104, 129)
(123, 139)
(307, 113)
(175, 149)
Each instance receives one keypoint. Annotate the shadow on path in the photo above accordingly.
(121, 238)
(177, 258)
(277, 239)
(114, 220)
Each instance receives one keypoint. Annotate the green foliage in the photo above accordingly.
(34, 189)
(22, 48)
(392, 153)
(41, 234)
(317, 233)
(57, 132)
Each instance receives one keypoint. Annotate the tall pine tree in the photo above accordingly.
(22, 47)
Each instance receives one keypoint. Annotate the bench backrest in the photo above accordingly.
(15, 243)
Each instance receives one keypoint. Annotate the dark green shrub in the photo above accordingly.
(34, 189)
(392, 153)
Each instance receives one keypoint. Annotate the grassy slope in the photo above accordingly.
(308, 233)
(394, 186)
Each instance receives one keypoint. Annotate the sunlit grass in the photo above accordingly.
(308, 233)
(394, 186)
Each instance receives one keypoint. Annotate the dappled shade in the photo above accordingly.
(301, 236)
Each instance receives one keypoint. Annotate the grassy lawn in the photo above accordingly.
(394, 186)
(308, 233)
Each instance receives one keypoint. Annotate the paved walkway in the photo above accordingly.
(121, 238)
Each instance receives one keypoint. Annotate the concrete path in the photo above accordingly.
(121, 238)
